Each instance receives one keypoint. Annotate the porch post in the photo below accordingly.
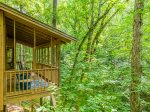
(41, 101)
(14, 44)
(58, 61)
(2, 58)
(34, 51)
(52, 53)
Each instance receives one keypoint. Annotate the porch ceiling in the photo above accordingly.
(25, 34)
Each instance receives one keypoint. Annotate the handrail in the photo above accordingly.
(47, 65)
(31, 70)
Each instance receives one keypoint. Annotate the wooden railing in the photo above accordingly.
(29, 81)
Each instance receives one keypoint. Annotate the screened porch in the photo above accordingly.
(32, 62)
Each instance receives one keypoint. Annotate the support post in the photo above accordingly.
(32, 108)
(14, 44)
(41, 101)
(2, 58)
(58, 62)
(52, 55)
(44, 56)
(52, 100)
(34, 51)
(5, 108)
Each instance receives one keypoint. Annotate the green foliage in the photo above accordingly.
(101, 85)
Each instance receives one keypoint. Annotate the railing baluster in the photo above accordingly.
(58, 76)
(27, 80)
(48, 75)
(45, 78)
(55, 75)
(51, 75)
(55, 71)
(15, 82)
(19, 80)
(10, 82)
(42, 79)
(32, 80)
(35, 79)
(23, 81)
(6, 81)
(38, 78)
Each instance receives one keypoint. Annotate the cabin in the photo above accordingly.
(27, 75)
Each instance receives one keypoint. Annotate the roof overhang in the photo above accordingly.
(35, 24)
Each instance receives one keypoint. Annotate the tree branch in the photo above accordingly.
(101, 29)
(86, 35)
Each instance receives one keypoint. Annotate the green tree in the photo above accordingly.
(136, 61)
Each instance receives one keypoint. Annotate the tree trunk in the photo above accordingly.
(136, 66)
(52, 98)
(54, 13)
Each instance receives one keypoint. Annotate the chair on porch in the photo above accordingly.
(23, 80)
(30, 80)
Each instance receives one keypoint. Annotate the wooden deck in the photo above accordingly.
(26, 97)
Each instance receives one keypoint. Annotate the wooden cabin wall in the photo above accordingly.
(2, 58)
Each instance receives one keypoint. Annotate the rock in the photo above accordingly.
(14, 108)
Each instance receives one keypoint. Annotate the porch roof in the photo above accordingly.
(25, 26)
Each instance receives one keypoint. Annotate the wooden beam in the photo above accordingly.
(2, 58)
(27, 96)
(49, 44)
